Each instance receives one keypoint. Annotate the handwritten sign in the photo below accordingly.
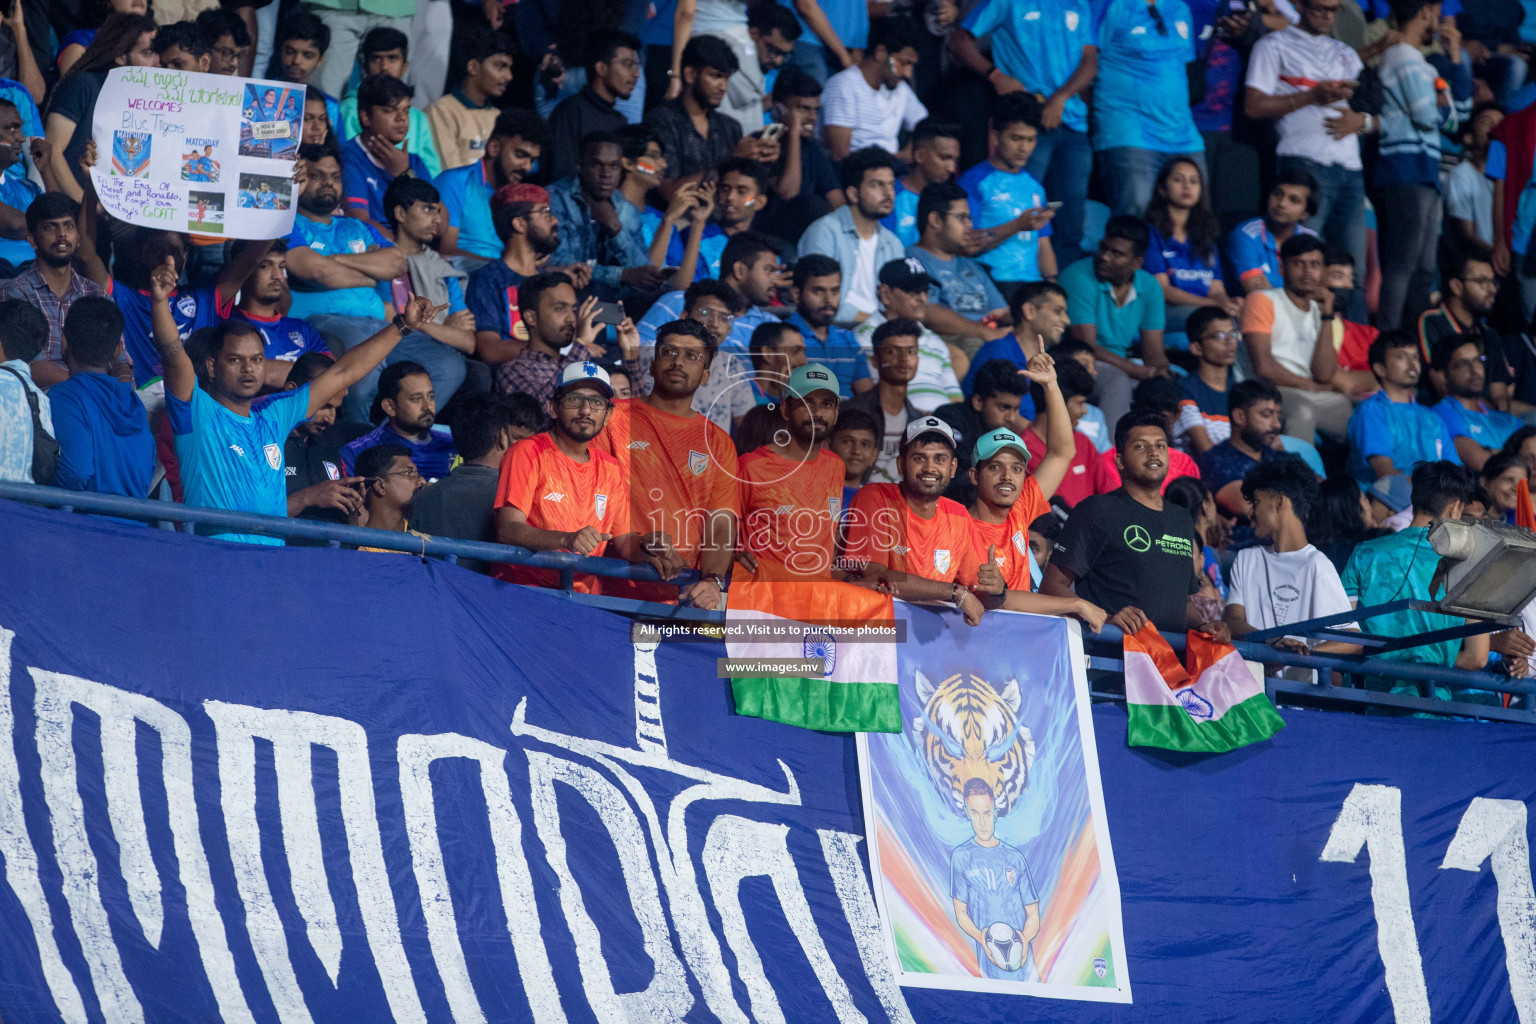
(186, 151)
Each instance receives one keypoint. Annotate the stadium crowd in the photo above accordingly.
(1180, 311)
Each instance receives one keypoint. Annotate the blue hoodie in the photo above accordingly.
(104, 439)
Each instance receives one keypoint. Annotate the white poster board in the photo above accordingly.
(207, 154)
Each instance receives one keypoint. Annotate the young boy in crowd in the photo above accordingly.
(855, 440)
(384, 52)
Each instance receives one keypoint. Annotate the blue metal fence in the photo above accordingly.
(1104, 648)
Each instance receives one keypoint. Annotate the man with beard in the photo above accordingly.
(1253, 411)
(910, 536)
(529, 231)
(406, 413)
(598, 226)
(560, 492)
(818, 282)
(613, 71)
(230, 447)
(870, 103)
(559, 333)
(1470, 287)
(317, 488)
(725, 396)
(285, 338)
(694, 135)
(935, 157)
(1477, 428)
(517, 141)
(791, 488)
(852, 234)
(52, 284)
(681, 468)
(1130, 550)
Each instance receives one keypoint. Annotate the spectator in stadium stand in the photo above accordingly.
(1088, 472)
(1282, 328)
(405, 410)
(1114, 305)
(1052, 53)
(773, 30)
(855, 440)
(681, 467)
(316, 128)
(1039, 313)
(1130, 550)
(1284, 579)
(613, 71)
(385, 51)
(935, 160)
(852, 234)
(1389, 503)
(371, 159)
(776, 349)
(317, 487)
(530, 232)
(181, 46)
(749, 266)
(1401, 566)
(791, 488)
(1302, 78)
(462, 504)
(415, 212)
(599, 226)
(1391, 432)
(966, 303)
(1092, 424)
(557, 491)
(1254, 245)
(1203, 421)
(1042, 536)
(1007, 203)
(909, 536)
(464, 119)
(1501, 478)
(1477, 429)
(1155, 394)
(723, 396)
(1468, 191)
(518, 140)
(805, 178)
(1345, 365)
(1407, 176)
(391, 482)
(997, 390)
(695, 136)
(618, 378)
(741, 193)
(301, 45)
(895, 347)
(284, 338)
(869, 104)
(1141, 97)
(17, 192)
(228, 37)
(1253, 412)
(1467, 299)
(903, 295)
(23, 333)
(52, 283)
(104, 440)
(559, 333)
(818, 282)
(231, 450)
(1182, 252)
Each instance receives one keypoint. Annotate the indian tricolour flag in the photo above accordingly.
(1214, 706)
(856, 688)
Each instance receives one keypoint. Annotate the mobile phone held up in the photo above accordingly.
(609, 313)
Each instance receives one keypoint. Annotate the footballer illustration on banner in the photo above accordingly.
(988, 839)
(197, 152)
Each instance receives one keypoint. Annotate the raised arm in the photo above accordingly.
(238, 270)
(175, 366)
(88, 223)
(1060, 446)
(357, 361)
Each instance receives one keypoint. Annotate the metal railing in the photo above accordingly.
(1104, 649)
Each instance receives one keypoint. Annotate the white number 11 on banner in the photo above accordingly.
(1491, 830)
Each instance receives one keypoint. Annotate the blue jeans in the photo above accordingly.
(1063, 163)
(444, 365)
(1340, 216)
(1130, 174)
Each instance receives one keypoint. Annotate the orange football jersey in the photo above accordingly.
(881, 528)
(557, 493)
(1010, 538)
(790, 509)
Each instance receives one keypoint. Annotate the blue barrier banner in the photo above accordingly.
(312, 785)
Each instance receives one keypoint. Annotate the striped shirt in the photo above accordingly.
(935, 383)
(876, 116)
(30, 287)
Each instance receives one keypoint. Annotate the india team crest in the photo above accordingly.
(274, 455)
(1020, 542)
(835, 505)
(1183, 27)
(601, 501)
(941, 560)
(331, 471)
(698, 462)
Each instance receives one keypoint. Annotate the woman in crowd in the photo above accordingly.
(1501, 478)
(122, 42)
(1183, 253)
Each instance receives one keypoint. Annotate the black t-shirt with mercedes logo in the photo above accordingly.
(1123, 553)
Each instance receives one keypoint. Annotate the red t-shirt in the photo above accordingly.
(1085, 476)
(882, 528)
(1010, 538)
(1354, 345)
(1179, 464)
(790, 509)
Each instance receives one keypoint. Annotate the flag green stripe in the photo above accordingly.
(1158, 725)
(820, 704)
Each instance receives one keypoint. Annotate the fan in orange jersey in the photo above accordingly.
(908, 534)
(557, 492)
(792, 488)
(680, 467)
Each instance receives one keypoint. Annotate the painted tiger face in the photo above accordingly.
(971, 730)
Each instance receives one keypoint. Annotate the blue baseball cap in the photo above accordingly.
(994, 441)
(811, 377)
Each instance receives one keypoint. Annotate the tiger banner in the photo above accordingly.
(988, 839)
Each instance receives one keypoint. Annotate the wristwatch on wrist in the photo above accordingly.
(718, 579)
(1328, 316)
(954, 592)
(399, 323)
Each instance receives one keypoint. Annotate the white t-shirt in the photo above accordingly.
(860, 292)
(887, 468)
(1292, 331)
(1291, 61)
(1278, 589)
(876, 116)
